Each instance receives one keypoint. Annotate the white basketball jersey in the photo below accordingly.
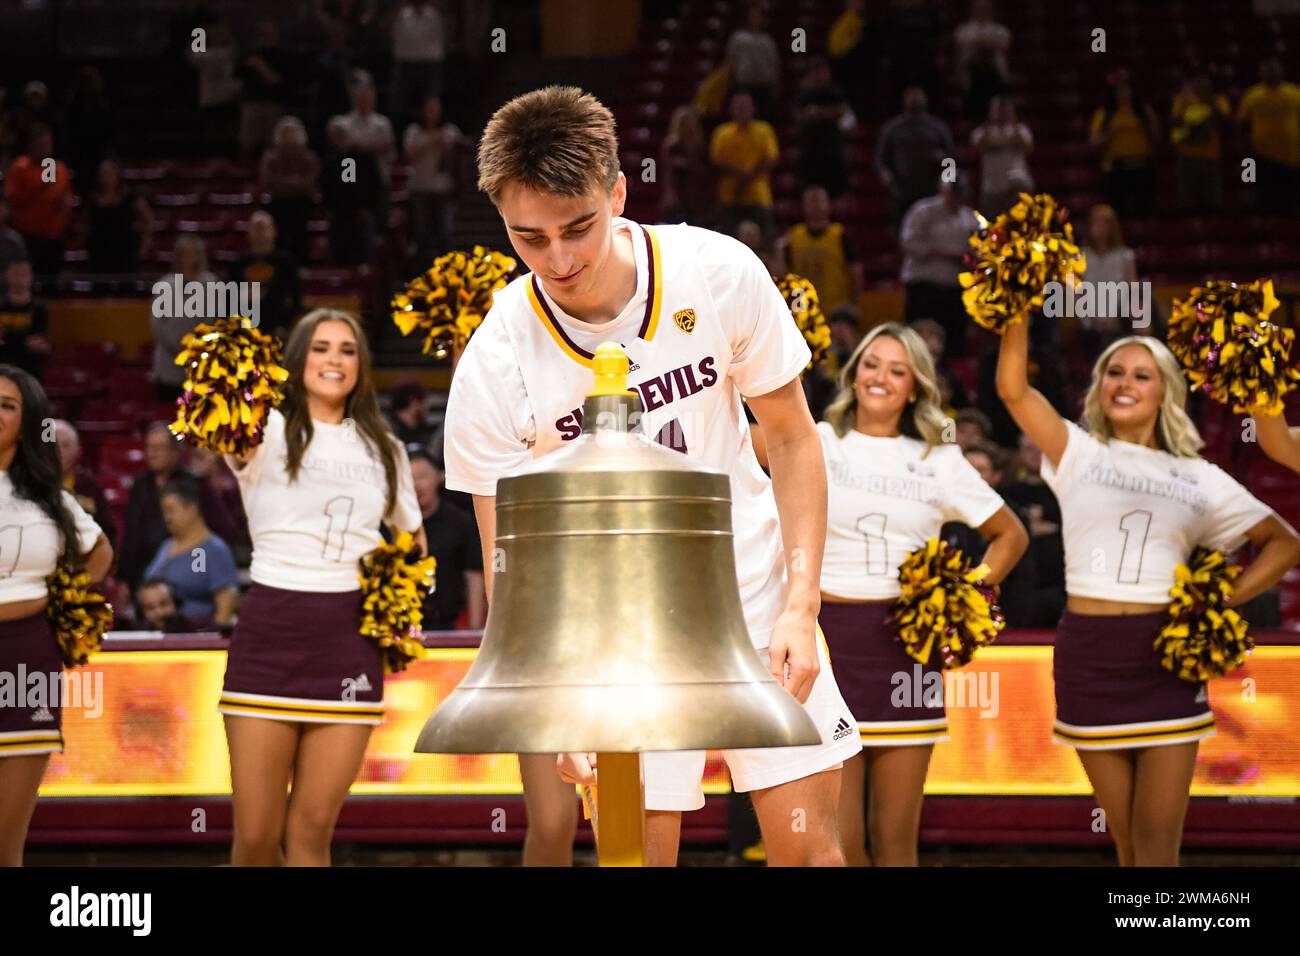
(705, 325)
(1130, 514)
(887, 498)
(30, 543)
(308, 535)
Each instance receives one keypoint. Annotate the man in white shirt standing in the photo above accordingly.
(419, 47)
(702, 324)
(934, 238)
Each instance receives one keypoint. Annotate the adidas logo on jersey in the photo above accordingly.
(842, 729)
(42, 715)
(632, 366)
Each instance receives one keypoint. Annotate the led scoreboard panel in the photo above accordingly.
(147, 725)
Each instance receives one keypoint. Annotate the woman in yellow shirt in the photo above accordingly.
(1126, 129)
(1197, 118)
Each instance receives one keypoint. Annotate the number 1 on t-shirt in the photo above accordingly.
(339, 507)
(872, 528)
(1130, 559)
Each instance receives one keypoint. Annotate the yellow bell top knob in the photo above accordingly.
(610, 366)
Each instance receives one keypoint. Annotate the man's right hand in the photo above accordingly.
(577, 768)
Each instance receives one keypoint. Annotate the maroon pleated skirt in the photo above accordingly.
(31, 701)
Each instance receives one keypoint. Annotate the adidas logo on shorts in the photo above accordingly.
(42, 715)
(842, 729)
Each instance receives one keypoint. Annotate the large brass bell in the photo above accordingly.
(615, 623)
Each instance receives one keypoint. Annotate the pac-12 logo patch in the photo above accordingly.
(685, 319)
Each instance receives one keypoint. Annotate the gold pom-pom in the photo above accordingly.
(801, 297)
(450, 300)
(1014, 258)
(394, 582)
(79, 615)
(946, 611)
(1203, 638)
(1231, 351)
(233, 379)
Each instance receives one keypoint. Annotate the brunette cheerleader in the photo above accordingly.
(39, 524)
(892, 484)
(303, 687)
(1135, 500)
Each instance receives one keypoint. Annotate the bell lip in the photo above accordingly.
(740, 715)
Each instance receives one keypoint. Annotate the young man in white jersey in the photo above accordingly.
(702, 324)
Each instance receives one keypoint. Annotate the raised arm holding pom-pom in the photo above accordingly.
(1027, 405)
(1279, 442)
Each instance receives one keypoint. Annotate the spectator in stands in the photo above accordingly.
(823, 114)
(689, 192)
(982, 45)
(972, 427)
(822, 252)
(40, 206)
(408, 416)
(906, 35)
(34, 111)
(453, 542)
(1271, 111)
(755, 62)
(120, 224)
(909, 151)
(24, 321)
(1196, 119)
(219, 87)
(190, 262)
(80, 482)
(354, 203)
(952, 391)
(275, 271)
(196, 562)
(12, 247)
(1126, 129)
(144, 529)
(158, 602)
(265, 75)
(744, 152)
(1037, 596)
(714, 93)
(434, 148)
(88, 126)
(934, 242)
(1106, 259)
(419, 48)
(751, 234)
(223, 505)
(371, 132)
(851, 52)
(289, 171)
(846, 332)
(1003, 143)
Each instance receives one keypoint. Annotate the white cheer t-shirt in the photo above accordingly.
(1130, 514)
(309, 534)
(886, 498)
(30, 543)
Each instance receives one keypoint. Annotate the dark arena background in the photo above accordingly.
(169, 124)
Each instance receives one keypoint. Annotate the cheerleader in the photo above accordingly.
(1136, 499)
(39, 523)
(1280, 443)
(893, 482)
(303, 687)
